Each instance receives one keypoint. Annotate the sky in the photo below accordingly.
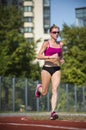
(63, 11)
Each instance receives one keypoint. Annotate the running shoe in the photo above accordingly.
(37, 93)
(53, 116)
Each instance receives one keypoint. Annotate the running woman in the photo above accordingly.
(52, 53)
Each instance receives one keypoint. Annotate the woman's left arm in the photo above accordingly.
(62, 57)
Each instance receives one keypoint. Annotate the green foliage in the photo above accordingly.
(74, 69)
(16, 54)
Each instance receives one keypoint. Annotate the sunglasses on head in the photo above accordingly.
(54, 32)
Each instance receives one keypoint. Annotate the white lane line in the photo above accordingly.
(46, 126)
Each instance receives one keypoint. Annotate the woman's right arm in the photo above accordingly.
(41, 55)
(54, 58)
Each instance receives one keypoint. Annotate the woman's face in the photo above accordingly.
(54, 33)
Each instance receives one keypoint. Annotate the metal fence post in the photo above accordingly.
(75, 89)
(37, 102)
(26, 94)
(48, 104)
(83, 96)
(13, 91)
(67, 97)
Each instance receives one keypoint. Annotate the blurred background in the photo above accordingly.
(24, 25)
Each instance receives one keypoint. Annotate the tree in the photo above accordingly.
(74, 69)
(16, 54)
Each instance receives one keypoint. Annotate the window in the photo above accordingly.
(28, 8)
(46, 19)
(80, 13)
(46, 2)
(28, 29)
(28, 19)
(15, 2)
(46, 11)
(46, 22)
(4, 2)
(30, 39)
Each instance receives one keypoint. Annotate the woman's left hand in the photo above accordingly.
(62, 61)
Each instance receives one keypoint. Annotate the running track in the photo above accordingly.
(26, 123)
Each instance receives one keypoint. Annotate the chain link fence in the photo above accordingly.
(18, 95)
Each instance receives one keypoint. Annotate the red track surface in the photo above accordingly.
(25, 123)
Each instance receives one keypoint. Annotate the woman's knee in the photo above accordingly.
(54, 91)
(44, 92)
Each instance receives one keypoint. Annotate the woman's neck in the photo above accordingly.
(53, 40)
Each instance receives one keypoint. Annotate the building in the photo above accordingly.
(36, 20)
(80, 16)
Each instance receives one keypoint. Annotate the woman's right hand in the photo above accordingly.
(54, 59)
(54, 56)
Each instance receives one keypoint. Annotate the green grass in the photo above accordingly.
(61, 117)
(46, 115)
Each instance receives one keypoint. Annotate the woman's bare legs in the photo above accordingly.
(46, 77)
(55, 79)
(55, 84)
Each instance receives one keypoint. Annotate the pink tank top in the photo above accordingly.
(51, 50)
